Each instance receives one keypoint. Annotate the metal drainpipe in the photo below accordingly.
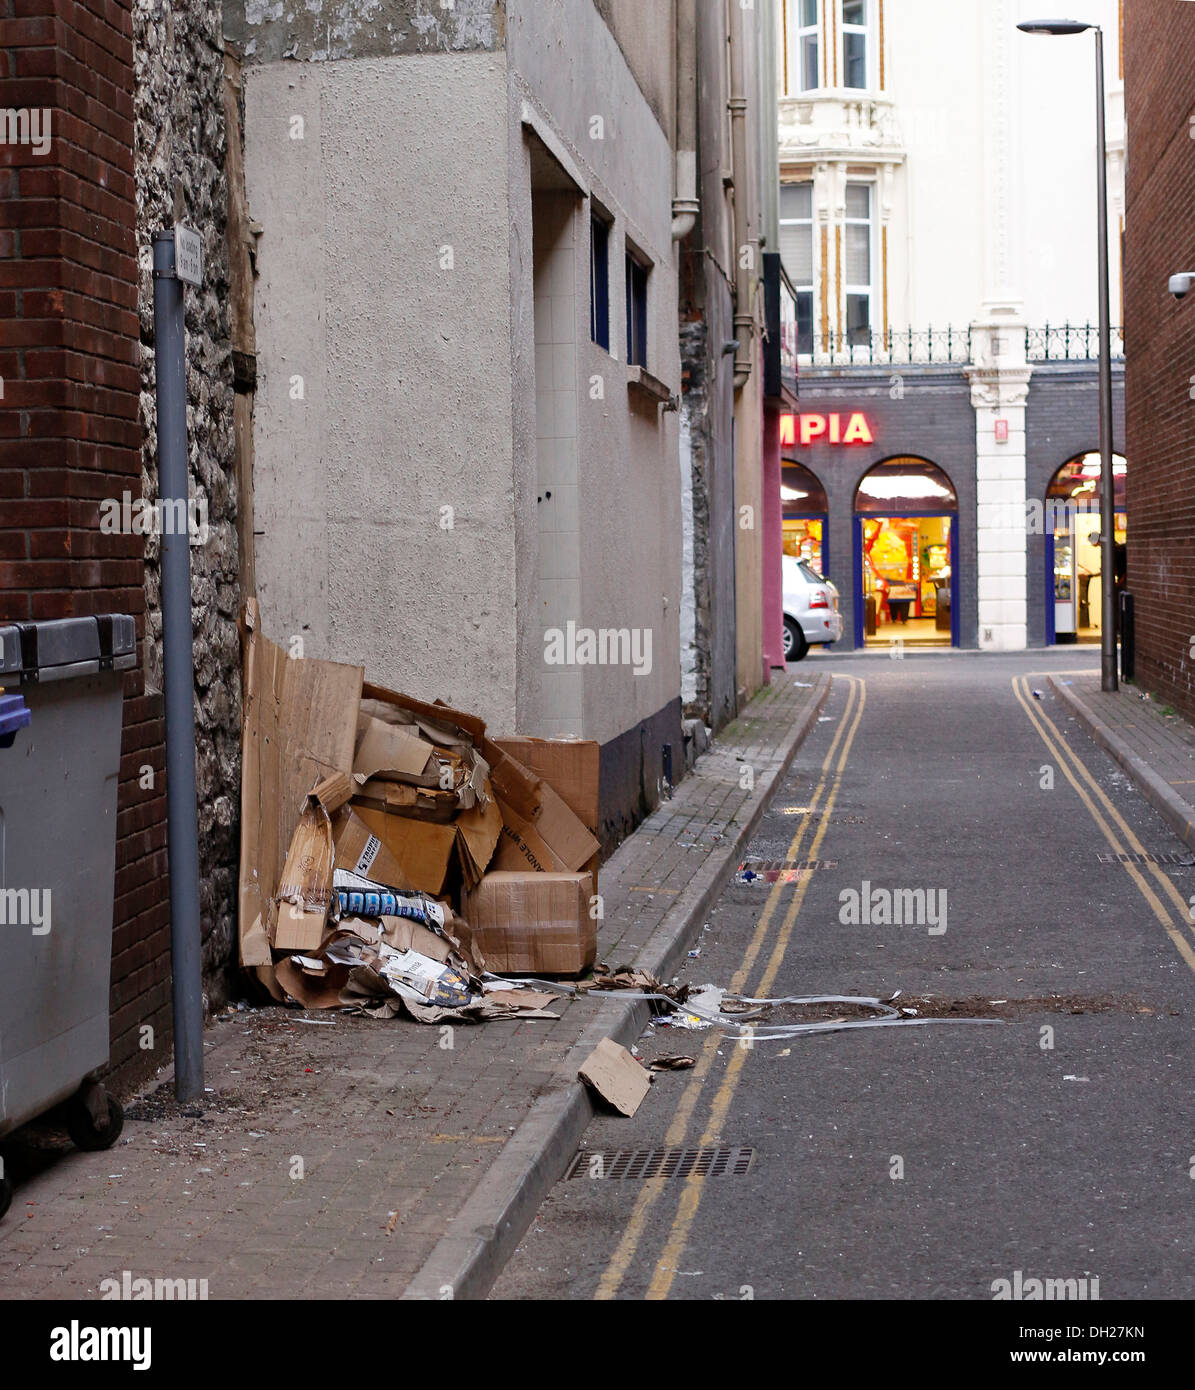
(744, 316)
(686, 206)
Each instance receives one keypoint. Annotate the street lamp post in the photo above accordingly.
(1108, 673)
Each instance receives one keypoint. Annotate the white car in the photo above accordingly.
(811, 616)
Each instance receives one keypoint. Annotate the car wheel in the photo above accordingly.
(795, 646)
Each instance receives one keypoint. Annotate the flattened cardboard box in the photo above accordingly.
(362, 852)
(422, 848)
(529, 923)
(569, 769)
(299, 726)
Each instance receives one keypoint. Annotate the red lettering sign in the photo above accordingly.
(830, 429)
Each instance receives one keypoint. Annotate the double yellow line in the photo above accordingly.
(678, 1129)
(1105, 815)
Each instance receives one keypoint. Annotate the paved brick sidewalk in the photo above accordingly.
(392, 1125)
(1156, 747)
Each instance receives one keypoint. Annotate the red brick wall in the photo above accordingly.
(69, 428)
(1160, 342)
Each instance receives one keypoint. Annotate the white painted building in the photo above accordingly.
(938, 209)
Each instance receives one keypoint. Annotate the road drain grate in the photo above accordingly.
(1180, 860)
(637, 1165)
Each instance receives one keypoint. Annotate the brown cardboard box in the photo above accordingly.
(561, 834)
(422, 848)
(533, 923)
(362, 852)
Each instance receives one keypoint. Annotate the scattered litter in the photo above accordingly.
(396, 856)
(693, 955)
(613, 1073)
(1037, 694)
(1076, 1078)
(678, 1062)
(825, 719)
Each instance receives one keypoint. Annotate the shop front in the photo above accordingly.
(806, 517)
(906, 513)
(1072, 523)
(879, 495)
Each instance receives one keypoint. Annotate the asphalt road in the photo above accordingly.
(935, 1160)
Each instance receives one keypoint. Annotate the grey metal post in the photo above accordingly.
(178, 665)
(1109, 679)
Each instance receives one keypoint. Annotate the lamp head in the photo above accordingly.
(1055, 26)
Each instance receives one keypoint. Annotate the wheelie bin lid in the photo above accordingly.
(63, 648)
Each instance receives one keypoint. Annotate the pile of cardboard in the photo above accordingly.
(394, 857)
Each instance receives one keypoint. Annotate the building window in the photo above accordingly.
(796, 251)
(637, 273)
(804, 51)
(859, 260)
(599, 281)
(856, 34)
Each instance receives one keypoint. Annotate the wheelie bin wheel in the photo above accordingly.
(83, 1130)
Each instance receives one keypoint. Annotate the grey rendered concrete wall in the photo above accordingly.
(566, 65)
(325, 30)
(934, 420)
(1061, 421)
(644, 32)
(379, 287)
(707, 263)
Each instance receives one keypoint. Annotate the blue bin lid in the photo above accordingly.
(15, 714)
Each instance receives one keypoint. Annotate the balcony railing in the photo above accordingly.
(896, 347)
(1066, 342)
(1069, 343)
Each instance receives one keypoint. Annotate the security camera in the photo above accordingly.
(1181, 285)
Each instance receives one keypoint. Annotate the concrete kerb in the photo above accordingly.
(1174, 809)
(485, 1232)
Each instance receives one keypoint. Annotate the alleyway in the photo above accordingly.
(930, 1162)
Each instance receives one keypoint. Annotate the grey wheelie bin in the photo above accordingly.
(58, 781)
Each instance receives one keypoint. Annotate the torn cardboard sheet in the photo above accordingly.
(389, 751)
(299, 725)
(305, 891)
(615, 1075)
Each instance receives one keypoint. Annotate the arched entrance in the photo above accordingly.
(805, 514)
(906, 525)
(1072, 522)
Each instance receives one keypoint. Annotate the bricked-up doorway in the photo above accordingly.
(905, 544)
(1071, 524)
